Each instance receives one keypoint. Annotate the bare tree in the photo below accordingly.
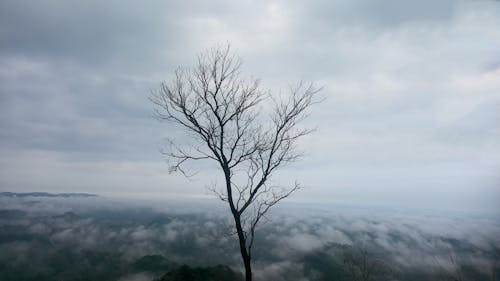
(364, 265)
(222, 113)
(454, 270)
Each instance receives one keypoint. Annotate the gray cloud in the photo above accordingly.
(91, 33)
(412, 92)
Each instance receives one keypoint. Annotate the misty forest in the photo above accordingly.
(258, 140)
(95, 238)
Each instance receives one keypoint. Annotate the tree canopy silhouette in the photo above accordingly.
(222, 112)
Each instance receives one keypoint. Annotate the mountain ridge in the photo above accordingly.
(47, 194)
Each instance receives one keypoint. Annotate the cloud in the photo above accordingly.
(124, 231)
(90, 33)
(411, 89)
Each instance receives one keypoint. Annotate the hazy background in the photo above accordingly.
(97, 238)
(411, 116)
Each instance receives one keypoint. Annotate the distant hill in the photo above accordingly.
(46, 194)
(212, 273)
(153, 264)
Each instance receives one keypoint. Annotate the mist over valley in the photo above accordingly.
(100, 238)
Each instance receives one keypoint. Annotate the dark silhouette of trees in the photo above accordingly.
(214, 273)
(223, 114)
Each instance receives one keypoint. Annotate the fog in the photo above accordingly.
(105, 239)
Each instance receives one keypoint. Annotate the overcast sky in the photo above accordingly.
(411, 116)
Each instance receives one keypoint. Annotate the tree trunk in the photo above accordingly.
(248, 268)
(243, 249)
(245, 255)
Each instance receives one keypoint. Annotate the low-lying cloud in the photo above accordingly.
(287, 248)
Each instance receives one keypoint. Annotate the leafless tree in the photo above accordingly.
(222, 114)
(454, 271)
(364, 265)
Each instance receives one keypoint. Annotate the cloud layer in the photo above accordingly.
(412, 93)
(62, 236)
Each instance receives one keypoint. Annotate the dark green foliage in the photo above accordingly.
(214, 273)
(86, 265)
(67, 265)
(153, 263)
(322, 266)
